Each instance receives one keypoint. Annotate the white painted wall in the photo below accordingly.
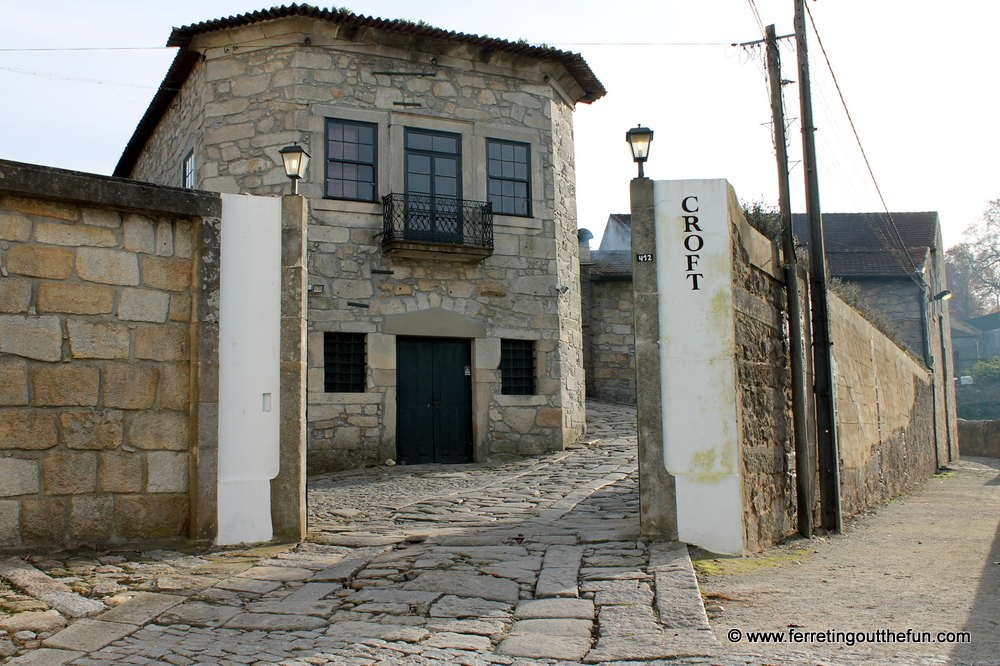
(249, 338)
(697, 360)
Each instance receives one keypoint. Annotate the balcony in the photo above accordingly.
(418, 226)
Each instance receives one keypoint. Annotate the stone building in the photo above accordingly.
(444, 307)
(865, 250)
(608, 337)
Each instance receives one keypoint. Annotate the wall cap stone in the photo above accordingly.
(32, 180)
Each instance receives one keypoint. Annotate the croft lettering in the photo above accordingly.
(692, 241)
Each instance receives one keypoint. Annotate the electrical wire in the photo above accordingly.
(65, 77)
(756, 15)
(900, 250)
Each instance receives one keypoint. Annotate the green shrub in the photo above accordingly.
(763, 218)
(988, 371)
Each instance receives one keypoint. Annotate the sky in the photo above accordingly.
(918, 78)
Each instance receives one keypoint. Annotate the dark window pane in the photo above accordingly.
(445, 166)
(418, 141)
(445, 187)
(521, 171)
(419, 184)
(335, 188)
(420, 164)
(366, 153)
(445, 144)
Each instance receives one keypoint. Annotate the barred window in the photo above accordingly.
(351, 160)
(509, 177)
(517, 367)
(344, 362)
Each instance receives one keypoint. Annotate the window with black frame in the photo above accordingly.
(508, 170)
(433, 187)
(517, 367)
(351, 160)
(344, 361)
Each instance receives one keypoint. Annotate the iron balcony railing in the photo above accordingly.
(444, 220)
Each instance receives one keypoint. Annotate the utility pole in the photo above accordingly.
(829, 458)
(803, 468)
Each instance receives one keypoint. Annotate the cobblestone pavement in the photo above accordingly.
(526, 563)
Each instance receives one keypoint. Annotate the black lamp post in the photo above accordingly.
(639, 138)
(296, 159)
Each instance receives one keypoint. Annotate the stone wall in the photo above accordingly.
(609, 352)
(95, 357)
(241, 105)
(899, 299)
(885, 413)
(763, 382)
(979, 438)
(978, 402)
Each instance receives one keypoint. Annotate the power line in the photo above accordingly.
(913, 272)
(64, 77)
(756, 15)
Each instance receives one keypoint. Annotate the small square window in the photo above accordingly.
(344, 362)
(517, 367)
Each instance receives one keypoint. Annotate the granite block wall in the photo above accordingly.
(95, 325)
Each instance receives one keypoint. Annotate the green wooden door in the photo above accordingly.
(434, 400)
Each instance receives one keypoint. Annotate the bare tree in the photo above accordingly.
(982, 251)
(966, 302)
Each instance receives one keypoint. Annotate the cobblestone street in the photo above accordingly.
(525, 563)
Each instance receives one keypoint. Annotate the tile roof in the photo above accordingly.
(861, 244)
(611, 264)
(185, 60)
(986, 322)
